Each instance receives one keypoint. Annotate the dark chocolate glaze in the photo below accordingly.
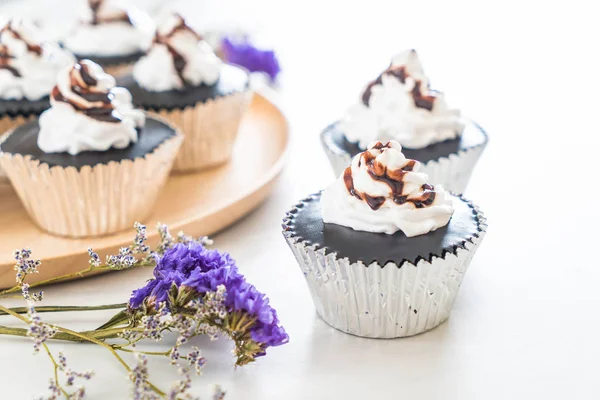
(305, 223)
(24, 107)
(24, 141)
(473, 136)
(111, 61)
(232, 80)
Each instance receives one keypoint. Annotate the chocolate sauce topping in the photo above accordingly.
(95, 6)
(394, 178)
(399, 72)
(32, 47)
(5, 58)
(179, 60)
(95, 103)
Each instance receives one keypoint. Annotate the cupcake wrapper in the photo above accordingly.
(7, 123)
(453, 172)
(92, 201)
(388, 301)
(119, 69)
(210, 130)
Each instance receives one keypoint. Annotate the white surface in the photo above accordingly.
(526, 322)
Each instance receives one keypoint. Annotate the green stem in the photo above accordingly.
(79, 274)
(86, 338)
(43, 309)
(64, 392)
(5, 330)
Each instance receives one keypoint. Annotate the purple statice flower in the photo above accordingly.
(193, 267)
(242, 52)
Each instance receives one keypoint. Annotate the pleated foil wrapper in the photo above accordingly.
(383, 301)
(452, 172)
(210, 129)
(7, 123)
(91, 201)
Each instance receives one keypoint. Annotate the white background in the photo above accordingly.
(526, 323)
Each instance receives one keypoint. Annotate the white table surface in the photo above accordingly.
(526, 323)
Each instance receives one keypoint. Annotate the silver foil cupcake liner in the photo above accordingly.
(383, 301)
(453, 172)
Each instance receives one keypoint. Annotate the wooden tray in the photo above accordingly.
(199, 204)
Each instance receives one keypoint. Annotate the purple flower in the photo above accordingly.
(193, 267)
(244, 53)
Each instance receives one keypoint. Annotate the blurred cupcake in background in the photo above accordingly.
(92, 165)
(399, 105)
(111, 35)
(382, 250)
(28, 69)
(183, 80)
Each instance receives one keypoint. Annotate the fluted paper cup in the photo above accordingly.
(383, 301)
(210, 130)
(91, 201)
(8, 123)
(453, 172)
(118, 69)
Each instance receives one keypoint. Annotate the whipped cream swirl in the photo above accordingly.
(88, 113)
(382, 191)
(28, 67)
(178, 58)
(107, 29)
(399, 105)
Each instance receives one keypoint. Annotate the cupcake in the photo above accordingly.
(382, 250)
(183, 80)
(400, 106)
(92, 164)
(28, 68)
(109, 34)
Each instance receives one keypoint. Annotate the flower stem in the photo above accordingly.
(86, 338)
(42, 309)
(64, 392)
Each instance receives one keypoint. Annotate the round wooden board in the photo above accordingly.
(199, 204)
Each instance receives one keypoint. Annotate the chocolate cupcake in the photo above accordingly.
(399, 105)
(183, 80)
(92, 164)
(110, 35)
(28, 68)
(382, 250)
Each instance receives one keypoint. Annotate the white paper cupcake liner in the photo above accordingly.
(453, 172)
(91, 201)
(383, 301)
(210, 130)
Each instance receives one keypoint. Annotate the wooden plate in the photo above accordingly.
(199, 204)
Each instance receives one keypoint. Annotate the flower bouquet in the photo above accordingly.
(194, 291)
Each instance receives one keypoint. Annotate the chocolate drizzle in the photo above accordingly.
(394, 178)
(95, 6)
(5, 58)
(88, 99)
(31, 47)
(399, 72)
(179, 61)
